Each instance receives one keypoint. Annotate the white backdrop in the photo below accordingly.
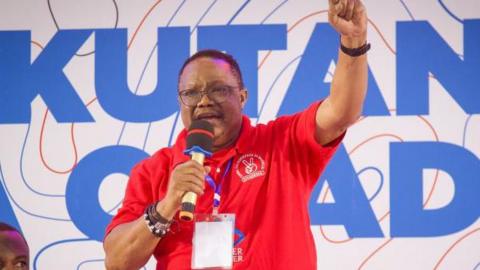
(39, 152)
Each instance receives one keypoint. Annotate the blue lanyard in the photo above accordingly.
(218, 189)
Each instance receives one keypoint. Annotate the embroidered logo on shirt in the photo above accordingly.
(250, 166)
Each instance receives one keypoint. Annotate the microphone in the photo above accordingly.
(199, 146)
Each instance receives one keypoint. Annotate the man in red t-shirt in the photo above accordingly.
(262, 174)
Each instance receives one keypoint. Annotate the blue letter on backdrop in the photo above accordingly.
(111, 80)
(308, 82)
(408, 216)
(421, 50)
(82, 188)
(21, 81)
(244, 42)
(351, 207)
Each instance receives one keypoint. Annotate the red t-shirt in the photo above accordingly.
(274, 168)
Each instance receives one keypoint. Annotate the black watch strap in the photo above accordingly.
(355, 52)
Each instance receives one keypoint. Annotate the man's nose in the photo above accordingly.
(204, 99)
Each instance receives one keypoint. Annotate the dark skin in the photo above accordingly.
(13, 251)
(225, 117)
(130, 245)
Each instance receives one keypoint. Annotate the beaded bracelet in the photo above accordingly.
(158, 225)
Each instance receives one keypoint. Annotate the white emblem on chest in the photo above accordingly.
(250, 166)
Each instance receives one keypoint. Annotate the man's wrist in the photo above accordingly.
(166, 209)
(353, 42)
(157, 224)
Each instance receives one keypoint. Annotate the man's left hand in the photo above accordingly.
(349, 19)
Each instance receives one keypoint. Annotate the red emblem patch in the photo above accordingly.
(250, 166)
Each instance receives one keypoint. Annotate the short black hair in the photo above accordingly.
(216, 54)
(4, 227)
(7, 227)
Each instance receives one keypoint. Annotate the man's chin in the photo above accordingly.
(215, 122)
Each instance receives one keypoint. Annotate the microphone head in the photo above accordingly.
(200, 137)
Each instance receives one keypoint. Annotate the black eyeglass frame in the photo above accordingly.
(208, 92)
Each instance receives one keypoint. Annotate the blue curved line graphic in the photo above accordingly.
(54, 244)
(22, 174)
(238, 12)
(381, 180)
(177, 114)
(191, 33)
(89, 261)
(465, 129)
(121, 132)
(273, 84)
(115, 207)
(175, 12)
(273, 11)
(203, 16)
(146, 136)
(142, 74)
(477, 267)
(172, 131)
(3, 182)
(95, 260)
(449, 12)
(138, 86)
(408, 10)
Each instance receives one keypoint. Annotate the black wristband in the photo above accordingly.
(155, 215)
(354, 52)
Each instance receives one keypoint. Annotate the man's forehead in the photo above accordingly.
(13, 241)
(206, 70)
(208, 61)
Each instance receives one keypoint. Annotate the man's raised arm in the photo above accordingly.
(348, 89)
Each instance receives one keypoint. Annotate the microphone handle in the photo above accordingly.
(189, 200)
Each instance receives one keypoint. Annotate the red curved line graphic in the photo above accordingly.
(328, 189)
(455, 244)
(430, 126)
(142, 21)
(424, 204)
(381, 36)
(40, 145)
(325, 11)
(72, 135)
(388, 213)
(437, 172)
(37, 44)
(374, 252)
(264, 59)
(299, 21)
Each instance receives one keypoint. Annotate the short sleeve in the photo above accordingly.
(138, 195)
(307, 157)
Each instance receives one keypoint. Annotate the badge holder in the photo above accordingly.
(213, 241)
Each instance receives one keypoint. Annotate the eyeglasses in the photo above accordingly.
(216, 93)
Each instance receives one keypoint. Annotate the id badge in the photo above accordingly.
(213, 241)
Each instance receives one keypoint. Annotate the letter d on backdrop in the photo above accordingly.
(408, 216)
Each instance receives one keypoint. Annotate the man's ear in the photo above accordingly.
(243, 97)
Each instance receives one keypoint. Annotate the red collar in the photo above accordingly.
(242, 144)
